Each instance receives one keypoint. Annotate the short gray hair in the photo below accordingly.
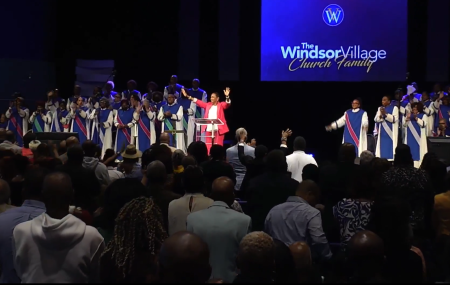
(256, 250)
(365, 157)
(239, 132)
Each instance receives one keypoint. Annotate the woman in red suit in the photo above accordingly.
(213, 110)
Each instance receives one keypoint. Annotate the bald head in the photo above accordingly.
(366, 254)
(184, 258)
(302, 255)
(5, 192)
(309, 191)
(223, 190)
(164, 138)
(72, 141)
(256, 254)
(156, 172)
(57, 193)
(10, 136)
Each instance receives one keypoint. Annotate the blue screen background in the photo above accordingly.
(372, 24)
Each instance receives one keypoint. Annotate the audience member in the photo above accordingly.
(192, 201)
(366, 157)
(164, 139)
(111, 165)
(229, 226)
(284, 264)
(436, 171)
(232, 156)
(70, 142)
(30, 209)
(199, 151)
(90, 162)
(298, 220)
(178, 171)
(55, 235)
(304, 269)
(311, 172)
(255, 166)
(5, 194)
(270, 189)
(184, 258)
(256, 259)
(9, 143)
(216, 167)
(130, 164)
(132, 254)
(298, 159)
(441, 223)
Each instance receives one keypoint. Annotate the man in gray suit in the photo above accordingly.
(233, 156)
(222, 228)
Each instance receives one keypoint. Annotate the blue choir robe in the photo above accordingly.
(173, 123)
(157, 106)
(428, 110)
(41, 122)
(416, 138)
(355, 122)
(101, 133)
(18, 122)
(127, 94)
(73, 100)
(78, 119)
(189, 109)
(387, 132)
(110, 96)
(201, 95)
(146, 135)
(53, 104)
(442, 112)
(60, 121)
(178, 88)
(125, 135)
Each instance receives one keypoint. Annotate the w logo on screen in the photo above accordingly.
(333, 15)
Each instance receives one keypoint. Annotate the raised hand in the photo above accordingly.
(183, 91)
(227, 91)
(286, 133)
(328, 128)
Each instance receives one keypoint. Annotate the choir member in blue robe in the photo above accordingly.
(437, 90)
(156, 103)
(78, 118)
(356, 124)
(53, 101)
(18, 119)
(442, 109)
(41, 119)
(387, 120)
(103, 120)
(201, 95)
(116, 102)
(416, 137)
(131, 89)
(145, 118)
(124, 123)
(428, 109)
(441, 130)
(151, 87)
(60, 121)
(3, 122)
(189, 108)
(109, 90)
(74, 98)
(171, 116)
(173, 88)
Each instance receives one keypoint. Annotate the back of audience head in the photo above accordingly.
(223, 190)
(217, 152)
(163, 154)
(276, 161)
(184, 258)
(360, 186)
(138, 236)
(72, 141)
(57, 194)
(193, 180)
(199, 151)
(5, 192)
(347, 153)
(89, 148)
(33, 182)
(403, 156)
(311, 172)
(302, 257)
(75, 155)
(284, 263)
(21, 164)
(156, 173)
(118, 193)
(43, 150)
(10, 136)
(177, 158)
(27, 138)
(299, 144)
(108, 154)
(309, 191)
(241, 132)
(436, 170)
(256, 255)
(260, 151)
(366, 157)
(187, 161)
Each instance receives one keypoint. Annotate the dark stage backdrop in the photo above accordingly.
(219, 42)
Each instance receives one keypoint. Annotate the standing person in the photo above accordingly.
(78, 118)
(116, 102)
(124, 122)
(54, 235)
(201, 95)
(151, 87)
(101, 128)
(156, 102)
(60, 121)
(214, 110)
(232, 156)
(428, 109)
(356, 124)
(299, 159)
(41, 119)
(109, 91)
(74, 98)
(387, 118)
(131, 89)
(415, 136)
(171, 116)
(173, 86)
(146, 135)
(442, 108)
(18, 119)
(189, 110)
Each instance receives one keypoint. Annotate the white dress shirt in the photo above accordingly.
(212, 114)
(296, 161)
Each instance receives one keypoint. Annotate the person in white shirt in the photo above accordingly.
(57, 247)
(298, 159)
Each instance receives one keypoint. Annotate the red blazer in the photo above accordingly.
(223, 129)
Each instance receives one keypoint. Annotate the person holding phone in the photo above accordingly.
(416, 132)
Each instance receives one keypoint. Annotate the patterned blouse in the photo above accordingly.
(353, 216)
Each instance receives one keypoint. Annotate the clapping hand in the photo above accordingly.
(183, 91)
(227, 91)
(408, 117)
(168, 114)
(139, 108)
(287, 133)
(382, 111)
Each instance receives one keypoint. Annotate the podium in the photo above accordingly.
(206, 122)
(174, 137)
